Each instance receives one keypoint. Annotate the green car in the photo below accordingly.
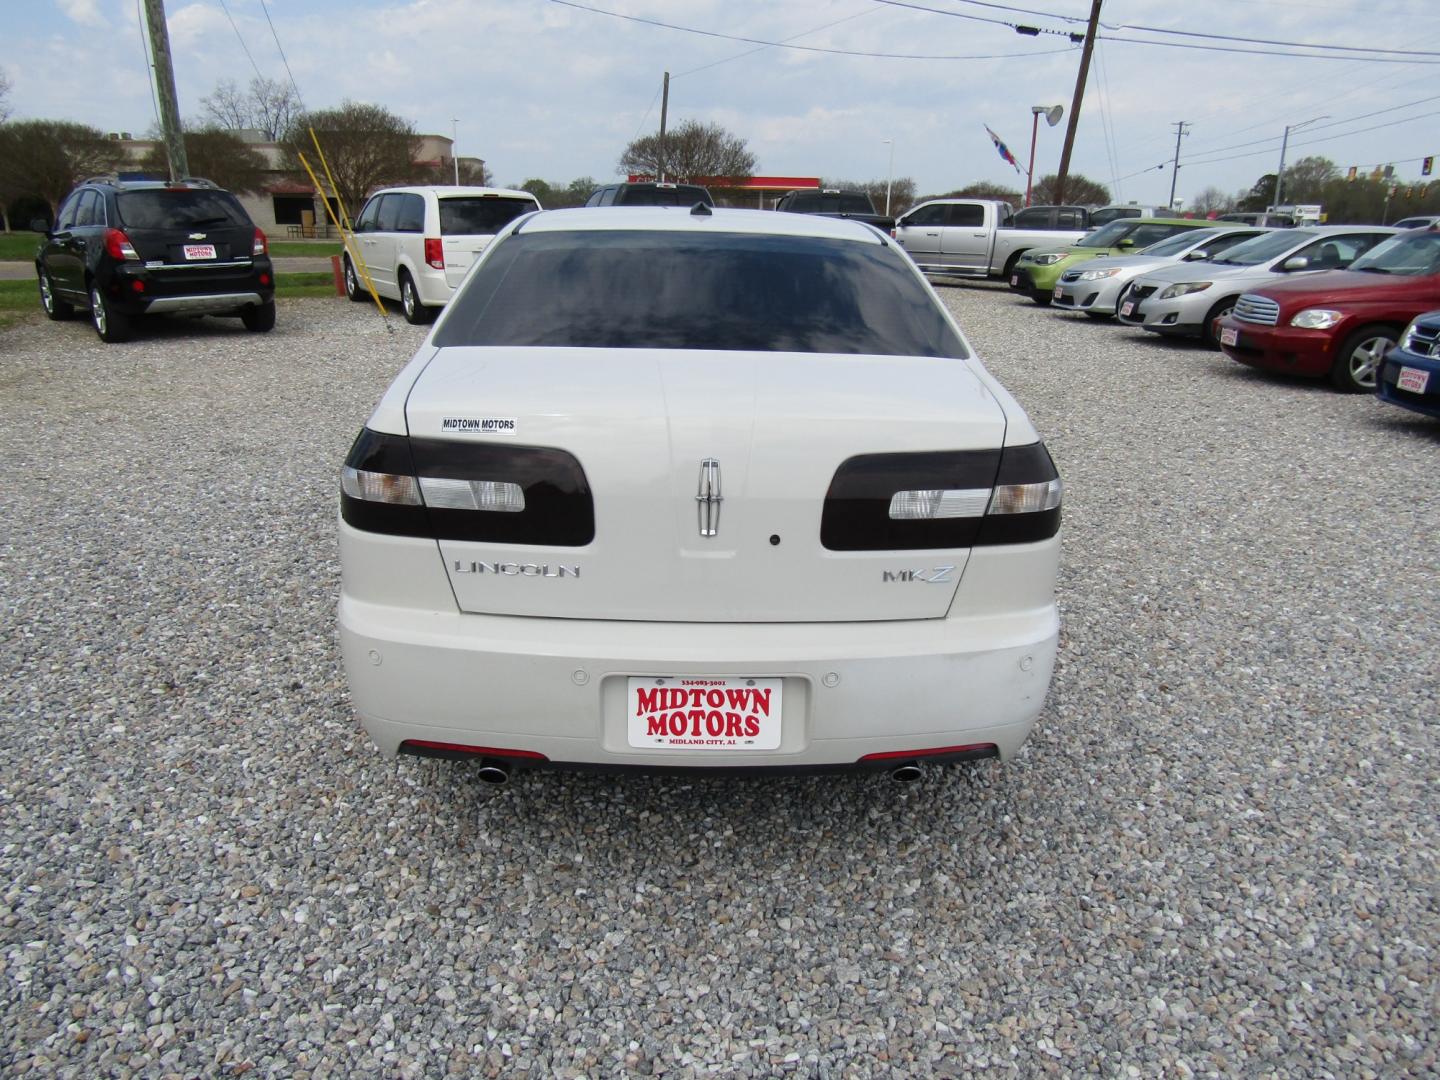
(1036, 272)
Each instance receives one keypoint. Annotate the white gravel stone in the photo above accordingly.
(1227, 807)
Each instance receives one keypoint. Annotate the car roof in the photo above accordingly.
(683, 219)
(448, 191)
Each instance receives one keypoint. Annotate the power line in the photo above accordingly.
(800, 48)
(241, 38)
(783, 41)
(1266, 52)
(298, 98)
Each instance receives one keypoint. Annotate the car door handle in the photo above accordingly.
(932, 234)
(979, 235)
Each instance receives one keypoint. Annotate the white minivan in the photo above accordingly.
(418, 242)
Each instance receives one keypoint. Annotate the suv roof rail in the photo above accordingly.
(135, 178)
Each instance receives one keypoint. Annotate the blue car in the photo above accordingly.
(1410, 375)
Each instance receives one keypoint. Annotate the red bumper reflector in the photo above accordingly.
(983, 749)
(482, 751)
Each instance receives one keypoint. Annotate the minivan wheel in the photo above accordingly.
(352, 283)
(1357, 364)
(416, 313)
(259, 317)
(112, 326)
(55, 308)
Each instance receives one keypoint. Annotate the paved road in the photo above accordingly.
(25, 271)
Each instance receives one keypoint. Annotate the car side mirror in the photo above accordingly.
(1196, 256)
(1127, 243)
(39, 224)
(1295, 262)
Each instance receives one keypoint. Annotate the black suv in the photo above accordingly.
(126, 248)
(650, 193)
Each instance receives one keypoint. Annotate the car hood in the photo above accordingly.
(1205, 271)
(1341, 286)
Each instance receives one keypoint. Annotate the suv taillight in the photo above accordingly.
(434, 252)
(946, 499)
(261, 246)
(445, 490)
(118, 246)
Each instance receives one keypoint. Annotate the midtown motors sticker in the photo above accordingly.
(479, 425)
(704, 714)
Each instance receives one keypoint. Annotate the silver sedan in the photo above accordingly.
(1096, 287)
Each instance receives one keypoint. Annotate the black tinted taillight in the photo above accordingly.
(450, 490)
(946, 499)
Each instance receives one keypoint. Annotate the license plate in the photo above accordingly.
(1127, 307)
(199, 251)
(732, 713)
(1229, 335)
(1413, 380)
(1014, 279)
(1059, 292)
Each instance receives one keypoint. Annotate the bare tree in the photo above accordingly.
(367, 146)
(46, 158)
(4, 96)
(691, 150)
(1079, 190)
(266, 105)
(1209, 200)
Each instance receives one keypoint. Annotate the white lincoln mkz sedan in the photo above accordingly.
(678, 488)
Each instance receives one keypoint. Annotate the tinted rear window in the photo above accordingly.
(725, 291)
(815, 202)
(178, 208)
(646, 195)
(480, 214)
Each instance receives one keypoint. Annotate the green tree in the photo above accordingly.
(221, 156)
(1305, 180)
(1079, 191)
(691, 150)
(46, 158)
(366, 146)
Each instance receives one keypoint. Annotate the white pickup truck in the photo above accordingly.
(976, 237)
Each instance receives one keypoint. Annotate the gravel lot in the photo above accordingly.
(1216, 857)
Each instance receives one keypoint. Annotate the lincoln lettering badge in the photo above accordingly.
(708, 498)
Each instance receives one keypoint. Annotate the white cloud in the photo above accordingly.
(84, 12)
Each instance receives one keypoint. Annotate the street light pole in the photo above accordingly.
(454, 150)
(1180, 126)
(1035, 111)
(1284, 142)
(890, 175)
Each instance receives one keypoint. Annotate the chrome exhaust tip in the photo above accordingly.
(908, 773)
(493, 774)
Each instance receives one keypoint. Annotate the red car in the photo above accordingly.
(1340, 323)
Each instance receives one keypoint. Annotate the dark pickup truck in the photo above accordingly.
(854, 205)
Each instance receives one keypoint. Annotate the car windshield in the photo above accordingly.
(1109, 235)
(629, 289)
(1407, 256)
(178, 208)
(470, 215)
(1267, 247)
(1180, 242)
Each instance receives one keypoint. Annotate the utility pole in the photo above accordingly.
(1180, 129)
(664, 112)
(1075, 102)
(165, 89)
(454, 151)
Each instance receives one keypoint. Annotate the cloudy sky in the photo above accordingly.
(557, 89)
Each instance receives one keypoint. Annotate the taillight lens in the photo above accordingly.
(261, 246)
(434, 252)
(118, 246)
(948, 499)
(446, 490)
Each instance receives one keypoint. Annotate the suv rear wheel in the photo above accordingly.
(259, 317)
(55, 308)
(112, 326)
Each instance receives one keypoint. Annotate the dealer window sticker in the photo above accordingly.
(479, 425)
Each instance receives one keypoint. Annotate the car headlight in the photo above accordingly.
(1184, 288)
(1096, 275)
(1408, 339)
(1045, 260)
(1316, 318)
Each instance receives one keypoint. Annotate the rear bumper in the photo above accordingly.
(1282, 348)
(421, 671)
(196, 289)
